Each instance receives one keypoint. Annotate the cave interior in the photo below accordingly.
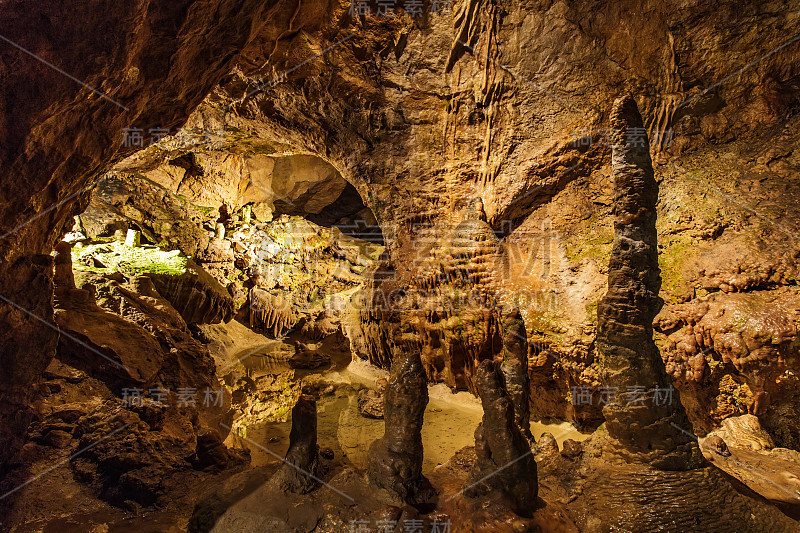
(471, 266)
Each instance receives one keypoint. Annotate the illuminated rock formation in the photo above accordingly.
(300, 476)
(505, 462)
(270, 313)
(395, 463)
(630, 364)
(63, 266)
(515, 368)
(197, 296)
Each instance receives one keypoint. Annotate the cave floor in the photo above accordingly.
(240, 498)
(577, 493)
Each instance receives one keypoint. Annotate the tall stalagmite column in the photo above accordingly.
(303, 452)
(515, 368)
(647, 418)
(505, 463)
(395, 460)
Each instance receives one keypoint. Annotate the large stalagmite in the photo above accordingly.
(298, 475)
(515, 368)
(505, 462)
(395, 463)
(645, 419)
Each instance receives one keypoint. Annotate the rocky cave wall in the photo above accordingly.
(509, 103)
(498, 100)
(142, 65)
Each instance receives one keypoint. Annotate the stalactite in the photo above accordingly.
(270, 313)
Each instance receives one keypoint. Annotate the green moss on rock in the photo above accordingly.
(114, 256)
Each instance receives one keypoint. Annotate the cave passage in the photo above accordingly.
(440, 266)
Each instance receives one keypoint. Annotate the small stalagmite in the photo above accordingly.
(64, 277)
(505, 464)
(395, 463)
(300, 475)
(515, 368)
(643, 420)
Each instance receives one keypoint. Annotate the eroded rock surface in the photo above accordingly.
(628, 356)
(371, 401)
(743, 449)
(395, 462)
(505, 463)
(197, 296)
(300, 474)
(734, 353)
(515, 369)
(422, 116)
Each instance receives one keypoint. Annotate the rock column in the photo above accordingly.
(395, 463)
(505, 464)
(515, 368)
(63, 277)
(303, 452)
(641, 419)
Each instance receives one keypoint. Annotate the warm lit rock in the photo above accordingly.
(395, 460)
(515, 368)
(505, 464)
(299, 475)
(630, 363)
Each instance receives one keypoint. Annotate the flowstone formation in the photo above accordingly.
(642, 421)
(450, 299)
(395, 463)
(515, 368)
(505, 463)
(269, 312)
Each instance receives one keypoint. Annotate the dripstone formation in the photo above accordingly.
(396, 459)
(505, 463)
(515, 368)
(303, 451)
(642, 418)
(63, 276)
(269, 313)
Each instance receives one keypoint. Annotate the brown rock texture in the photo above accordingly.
(198, 297)
(269, 313)
(744, 450)
(140, 65)
(450, 302)
(102, 343)
(628, 356)
(505, 464)
(735, 354)
(515, 368)
(371, 401)
(395, 460)
(299, 475)
(422, 116)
